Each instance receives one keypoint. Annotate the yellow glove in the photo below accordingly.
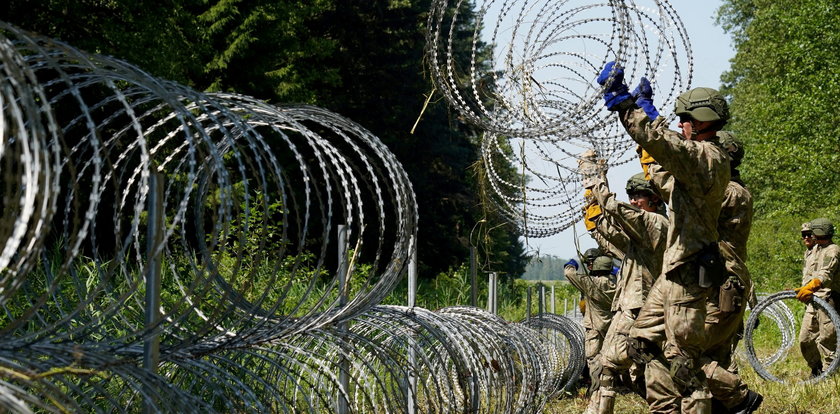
(582, 306)
(645, 159)
(805, 293)
(592, 212)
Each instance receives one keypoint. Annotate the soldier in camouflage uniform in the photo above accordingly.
(695, 173)
(817, 336)
(598, 289)
(643, 231)
(724, 308)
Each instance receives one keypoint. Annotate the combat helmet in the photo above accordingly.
(638, 184)
(822, 227)
(733, 146)
(704, 105)
(602, 265)
(590, 254)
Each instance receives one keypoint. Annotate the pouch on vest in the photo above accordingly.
(712, 271)
(730, 299)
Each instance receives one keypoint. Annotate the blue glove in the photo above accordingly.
(644, 98)
(614, 270)
(572, 263)
(616, 91)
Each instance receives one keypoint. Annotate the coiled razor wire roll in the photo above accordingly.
(251, 314)
(253, 195)
(782, 316)
(761, 368)
(529, 83)
(566, 336)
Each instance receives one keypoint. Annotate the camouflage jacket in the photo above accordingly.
(735, 219)
(598, 292)
(691, 177)
(646, 233)
(824, 264)
(609, 237)
(734, 226)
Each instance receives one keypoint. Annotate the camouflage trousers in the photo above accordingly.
(614, 359)
(675, 314)
(817, 338)
(593, 341)
(710, 343)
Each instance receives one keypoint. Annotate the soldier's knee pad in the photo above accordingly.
(686, 376)
(607, 378)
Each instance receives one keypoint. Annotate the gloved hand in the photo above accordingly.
(645, 160)
(806, 293)
(589, 167)
(615, 91)
(615, 270)
(644, 98)
(582, 306)
(572, 263)
(593, 211)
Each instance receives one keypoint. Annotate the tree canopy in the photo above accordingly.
(783, 85)
(361, 59)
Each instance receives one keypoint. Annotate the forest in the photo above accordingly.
(361, 59)
(364, 60)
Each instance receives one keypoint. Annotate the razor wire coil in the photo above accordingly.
(529, 83)
(761, 367)
(254, 316)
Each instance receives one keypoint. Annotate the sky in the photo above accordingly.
(712, 50)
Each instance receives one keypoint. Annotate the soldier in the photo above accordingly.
(725, 309)
(695, 173)
(598, 289)
(817, 336)
(645, 231)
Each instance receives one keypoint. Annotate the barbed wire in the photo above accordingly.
(529, 83)
(778, 312)
(760, 365)
(254, 313)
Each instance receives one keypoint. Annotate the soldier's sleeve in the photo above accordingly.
(828, 265)
(679, 156)
(574, 277)
(609, 237)
(630, 220)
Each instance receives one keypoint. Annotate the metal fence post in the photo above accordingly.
(412, 298)
(154, 241)
(528, 302)
(540, 299)
(343, 406)
(553, 304)
(491, 293)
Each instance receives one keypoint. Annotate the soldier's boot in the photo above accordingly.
(751, 403)
(697, 405)
(594, 400)
(607, 404)
(816, 371)
(607, 400)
